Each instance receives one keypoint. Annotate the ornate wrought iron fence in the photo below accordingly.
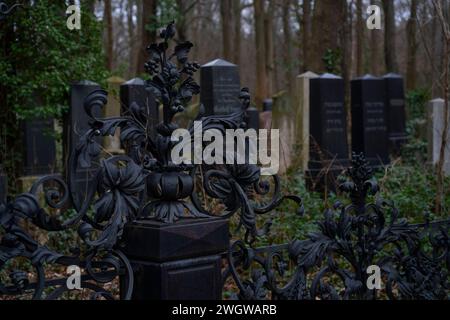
(333, 262)
(147, 185)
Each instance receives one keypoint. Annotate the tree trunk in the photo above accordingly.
(445, 26)
(269, 48)
(109, 45)
(131, 39)
(346, 63)
(147, 36)
(359, 38)
(261, 76)
(412, 47)
(376, 57)
(289, 79)
(91, 7)
(326, 26)
(237, 31)
(435, 44)
(226, 17)
(306, 34)
(389, 36)
(180, 22)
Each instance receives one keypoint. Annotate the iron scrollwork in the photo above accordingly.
(117, 187)
(147, 184)
(6, 10)
(332, 263)
(144, 184)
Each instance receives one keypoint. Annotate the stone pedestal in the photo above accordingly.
(435, 129)
(112, 109)
(179, 261)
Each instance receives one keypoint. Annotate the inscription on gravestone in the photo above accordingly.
(328, 133)
(395, 111)
(369, 126)
(220, 87)
(39, 147)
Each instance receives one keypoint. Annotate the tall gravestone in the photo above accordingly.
(220, 87)
(328, 154)
(133, 91)
(369, 124)
(435, 125)
(283, 120)
(395, 111)
(39, 151)
(111, 110)
(39, 147)
(302, 118)
(76, 124)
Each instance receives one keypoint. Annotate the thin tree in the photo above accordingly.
(289, 78)
(269, 46)
(411, 27)
(147, 32)
(131, 38)
(226, 21)
(306, 34)
(376, 49)
(390, 56)
(237, 15)
(109, 44)
(444, 23)
(359, 38)
(261, 75)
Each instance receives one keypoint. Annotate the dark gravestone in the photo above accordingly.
(76, 125)
(395, 111)
(39, 155)
(179, 261)
(328, 131)
(220, 87)
(369, 126)
(133, 91)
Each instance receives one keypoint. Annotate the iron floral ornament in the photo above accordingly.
(170, 187)
(333, 262)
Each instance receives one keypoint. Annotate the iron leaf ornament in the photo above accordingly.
(332, 263)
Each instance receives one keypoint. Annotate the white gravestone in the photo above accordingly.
(435, 130)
